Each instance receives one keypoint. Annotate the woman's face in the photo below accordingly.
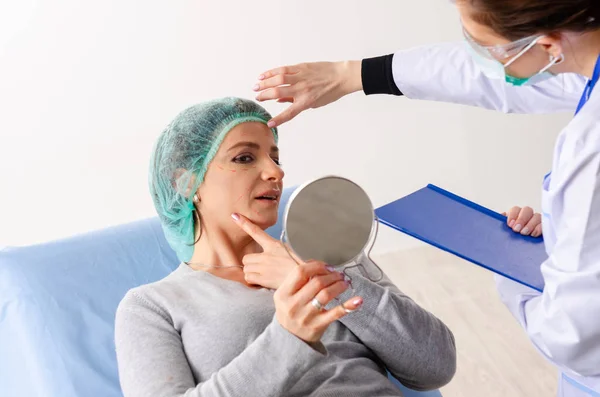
(244, 177)
(527, 65)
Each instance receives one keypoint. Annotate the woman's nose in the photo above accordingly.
(272, 171)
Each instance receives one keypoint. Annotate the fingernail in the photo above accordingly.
(271, 124)
(347, 283)
(518, 228)
(261, 77)
(511, 223)
(357, 302)
(235, 216)
(525, 231)
(256, 87)
(330, 268)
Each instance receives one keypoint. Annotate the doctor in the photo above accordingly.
(525, 56)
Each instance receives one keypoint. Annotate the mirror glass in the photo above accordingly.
(330, 219)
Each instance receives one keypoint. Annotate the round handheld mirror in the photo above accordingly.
(330, 219)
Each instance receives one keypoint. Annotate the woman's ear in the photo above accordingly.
(183, 182)
(553, 45)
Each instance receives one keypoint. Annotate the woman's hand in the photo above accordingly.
(524, 221)
(294, 306)
(270, 267)
(308, 85)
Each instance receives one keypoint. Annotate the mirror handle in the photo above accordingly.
(281, 239)
(381, 274)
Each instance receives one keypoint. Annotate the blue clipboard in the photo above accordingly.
(468, 230)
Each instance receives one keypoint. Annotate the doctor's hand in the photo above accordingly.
(270, 267)
(524, 221)
(308, 85)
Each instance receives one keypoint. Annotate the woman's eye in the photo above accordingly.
(244, 159)
(277, 161)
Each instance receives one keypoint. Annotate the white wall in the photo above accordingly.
(86, 87)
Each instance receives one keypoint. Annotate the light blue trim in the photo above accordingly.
(581, 387)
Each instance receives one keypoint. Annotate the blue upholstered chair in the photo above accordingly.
(57, 306)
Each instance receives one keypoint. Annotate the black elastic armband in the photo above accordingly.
(377, 76)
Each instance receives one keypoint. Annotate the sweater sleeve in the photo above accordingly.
(152, 360)
(416, 347)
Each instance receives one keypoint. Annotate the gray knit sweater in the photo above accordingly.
(194, 334)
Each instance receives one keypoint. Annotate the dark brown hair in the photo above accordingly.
(516, 19)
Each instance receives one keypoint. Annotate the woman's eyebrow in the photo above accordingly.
(252, 145)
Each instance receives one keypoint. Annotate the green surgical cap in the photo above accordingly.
(181, 157)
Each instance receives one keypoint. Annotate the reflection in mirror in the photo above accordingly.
(330, 219)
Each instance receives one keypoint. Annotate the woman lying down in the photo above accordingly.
(239, 317)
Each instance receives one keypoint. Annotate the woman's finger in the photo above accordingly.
(252, 278)
(250, 261)
(302, 275)
(535, 220)
(326, 295)
(329, 316)
(327, 285)
(253, 259)
(523, 219)
(254, 231)
(511, 218)
(254, 268)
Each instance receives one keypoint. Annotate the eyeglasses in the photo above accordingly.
(501, 51)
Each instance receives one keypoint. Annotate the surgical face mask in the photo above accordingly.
(486, 58)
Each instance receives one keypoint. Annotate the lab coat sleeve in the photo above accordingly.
(564, 321)
(447, 73)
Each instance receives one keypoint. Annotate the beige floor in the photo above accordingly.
(495, 358)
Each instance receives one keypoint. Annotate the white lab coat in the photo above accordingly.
(564, 322)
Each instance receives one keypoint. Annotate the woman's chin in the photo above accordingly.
(263, 219)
